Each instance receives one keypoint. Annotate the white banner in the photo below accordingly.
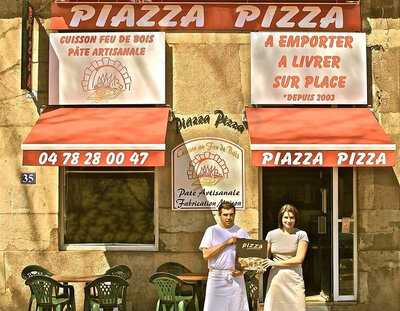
(107, 68)
(206, 171)
(308, 68)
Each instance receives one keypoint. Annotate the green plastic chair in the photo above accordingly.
(168, 299)
(46, 292)
(176, 268)
(33, 270)
(121, 270)
(106, 293)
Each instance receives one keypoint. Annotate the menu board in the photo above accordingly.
(250, 254)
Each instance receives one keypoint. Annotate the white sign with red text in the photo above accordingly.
(308, 68)
(323, 158)
(146, 15)
(205, 172)
(107, 68)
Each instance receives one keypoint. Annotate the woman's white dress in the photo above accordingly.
(285, 288)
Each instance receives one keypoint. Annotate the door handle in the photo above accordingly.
(324, 195)
(321, 224)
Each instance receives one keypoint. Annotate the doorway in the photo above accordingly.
(310, 190)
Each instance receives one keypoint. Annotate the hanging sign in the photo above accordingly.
(207, 171)
(207, 16)
(107, 68)
(308, 68)
(323, 158)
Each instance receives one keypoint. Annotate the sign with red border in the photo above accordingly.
(207, 16)
(308, 68)
(93, 158)
(205, 172)
(331, 158)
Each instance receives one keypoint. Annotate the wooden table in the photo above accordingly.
(193, 277)
(64, 278)
(198, 281)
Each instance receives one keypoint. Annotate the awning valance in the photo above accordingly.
(98, 137)
(332, 137)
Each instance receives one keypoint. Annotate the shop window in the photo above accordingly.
(109, 209)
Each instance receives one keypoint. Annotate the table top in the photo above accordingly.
(192, 277)
(75, 278)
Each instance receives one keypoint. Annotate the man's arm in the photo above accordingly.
(213, 251)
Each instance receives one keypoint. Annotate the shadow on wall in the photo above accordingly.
(13, 8)
(378, 9)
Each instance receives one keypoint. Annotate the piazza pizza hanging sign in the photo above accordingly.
(107, 68)
(308, 68)
(207, 16)
(205, 172)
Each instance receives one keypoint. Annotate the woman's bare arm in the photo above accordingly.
(295, 261)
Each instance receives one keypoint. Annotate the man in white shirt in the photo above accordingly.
(226, 290)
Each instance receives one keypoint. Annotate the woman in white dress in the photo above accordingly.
(288, 246)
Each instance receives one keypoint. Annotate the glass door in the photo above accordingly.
(310, 190)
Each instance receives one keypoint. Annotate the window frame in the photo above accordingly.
(335, 238)
(105, 246)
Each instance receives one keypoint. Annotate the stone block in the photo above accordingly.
(180, 242)
(245, 64)
(212, 74)
(375, 262)
(20, 112)
(378, 221)
(380, 241)
(10, 40)
(384, 285)
(2, 275)
(365, 189)
(363, 292)
(386, 69)
(207, 38)
(390, 122)
(386, 189)
(28, 232)
(184, 221)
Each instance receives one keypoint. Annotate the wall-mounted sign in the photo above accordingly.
(207, 16)
(325, 158)
(94, 158)
(107, 68)
(206, 171)
(28, 178)
(308, 68)
(219, 119)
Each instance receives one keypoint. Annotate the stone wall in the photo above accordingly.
(206, 72)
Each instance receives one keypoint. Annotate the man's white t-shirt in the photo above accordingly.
(216, 235)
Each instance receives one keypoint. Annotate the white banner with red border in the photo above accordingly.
(107, 68)
(308, 68)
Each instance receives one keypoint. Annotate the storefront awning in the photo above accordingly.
(98, 137)
(332, 137)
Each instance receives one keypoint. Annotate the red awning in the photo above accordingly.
(330, 137)
(98, 137)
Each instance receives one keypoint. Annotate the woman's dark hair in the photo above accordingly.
(226, 205)
(287, 208)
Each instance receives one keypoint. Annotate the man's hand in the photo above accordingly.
(236, 273)
(230, 241)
